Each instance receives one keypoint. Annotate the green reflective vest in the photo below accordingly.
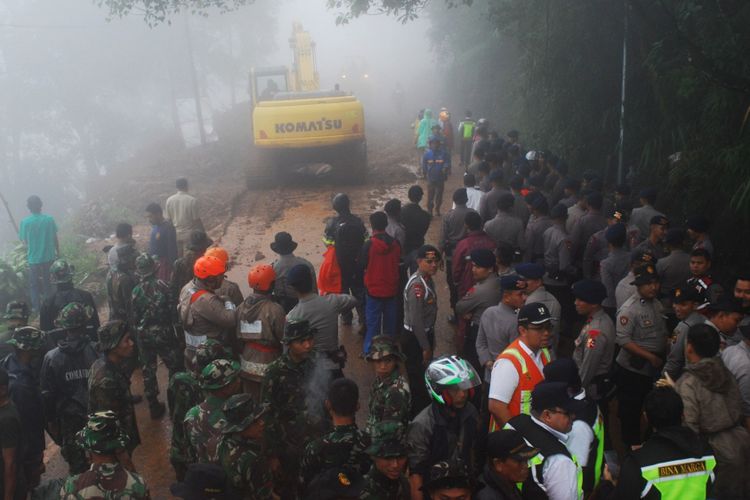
(468, 128)
(599, 433)
(679, 479)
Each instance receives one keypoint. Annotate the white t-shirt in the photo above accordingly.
(504, 377)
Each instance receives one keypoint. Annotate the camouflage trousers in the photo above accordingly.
(162, 343)
(70, 446)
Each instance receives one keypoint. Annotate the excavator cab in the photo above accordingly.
(266, 83)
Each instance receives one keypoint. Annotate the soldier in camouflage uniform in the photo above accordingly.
(386, 479)
(183, 393)
(64, 383)
(107, 478)
(290, 423)
(241, 448)
(61, 275)
(16, 316)
(390, 398)
(120, 283)
(345, 444)
(203, 423)
(154, 315)
(109, 385)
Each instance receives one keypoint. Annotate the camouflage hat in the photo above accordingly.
(388, 440)
(219, 373)
(27, 338)
(74, 315)
(102, 433)
(297, 329)
(16, 310)
(240, 411)
(384, 346)
(61, 272)
(208, 351)
(110, 334)
(144, 265)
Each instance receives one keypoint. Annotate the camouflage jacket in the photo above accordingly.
(203, 425)
(345, 445)
(153, 305)
(183, 272)
(109, 389)
(105, 481)
(119, 293)
(289, 422)
(248, 471)
(183, 393)
(379, 487)
(390, 399)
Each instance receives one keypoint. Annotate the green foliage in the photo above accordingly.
(13, 275)
(73, 249)
(158, 11)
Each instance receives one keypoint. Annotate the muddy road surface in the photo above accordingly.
(300, 207)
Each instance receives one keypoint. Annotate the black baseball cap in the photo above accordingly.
(551, 395)
(687, 293)
(483, 257)
(534, 313)
(512, 282)
(644, 275)
(509, 443)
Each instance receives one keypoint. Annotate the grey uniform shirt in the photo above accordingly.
(488, 203)
(553, 305)
(520, 209)
(611, 270)
(535, 229)
(588, 225)
(323, 315)
(640, 321)
(625, 289)
(557, 255)
(676, 359)
(574, 214)
(484, 294)
(498, 327)
(506, 228)
(595, 349)
(737, 360)
(597, 249)
(641, 217)
(673, 271)
(281, 267)
(420, 308)
(656, 249)
(454, 228)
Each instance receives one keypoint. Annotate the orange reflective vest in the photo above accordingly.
(529, 376)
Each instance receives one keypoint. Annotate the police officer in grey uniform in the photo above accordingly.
(498, 325)
(615, 266)
(642, 335)
(640, 217)
(654, 243)
(485, 293)
(505, 227)
(537, 225)
(597, 247)
(488, 203)
(534, 274)
(453, 230)
(420, 313)
(674, 269)
(626, 288)
(685, 301)
(558, 262)
(589, 223)
(595, 346)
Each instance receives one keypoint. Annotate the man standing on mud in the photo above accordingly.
(183, 211)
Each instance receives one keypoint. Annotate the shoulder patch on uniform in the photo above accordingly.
(344, 480)
(624, 320)
(591, 343)
(418, 290)
(594, 333)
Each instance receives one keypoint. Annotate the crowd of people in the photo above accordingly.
(566, 302)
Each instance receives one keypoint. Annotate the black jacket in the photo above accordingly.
(27, 396)
(495, 488)
(64, 295)
(416, 222)
(64, 379)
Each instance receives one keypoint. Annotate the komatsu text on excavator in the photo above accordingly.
(294, 122)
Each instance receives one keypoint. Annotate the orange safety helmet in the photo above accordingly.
(219, 253)
(261, 277)
(208, 267)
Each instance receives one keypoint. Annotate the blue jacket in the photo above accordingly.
(436, 165)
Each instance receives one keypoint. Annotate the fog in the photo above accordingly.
(81, 94)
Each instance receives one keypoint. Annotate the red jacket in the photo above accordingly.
(381, 255)
(461, 259)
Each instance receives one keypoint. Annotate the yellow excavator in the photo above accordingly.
(295, 122)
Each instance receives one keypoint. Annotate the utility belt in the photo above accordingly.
(338, 356)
